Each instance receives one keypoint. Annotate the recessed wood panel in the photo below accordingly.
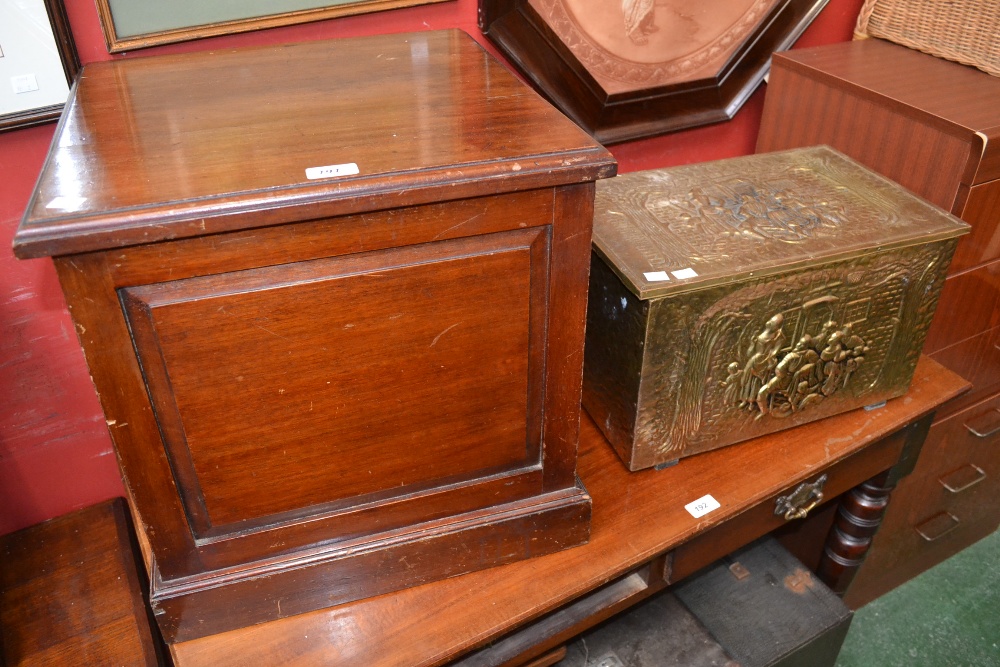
(377, 375)
(322, 389)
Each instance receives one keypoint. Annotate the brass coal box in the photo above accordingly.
(741, 297)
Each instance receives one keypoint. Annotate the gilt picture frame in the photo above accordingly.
(137, 24)
(628, 69)
(38, 62)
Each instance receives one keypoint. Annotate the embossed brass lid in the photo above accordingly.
(672, 230)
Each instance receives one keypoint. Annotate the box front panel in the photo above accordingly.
(317, 386)
(734, 362)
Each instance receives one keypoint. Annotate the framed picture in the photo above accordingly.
(626, 69)
(38, 62)
(136, 24)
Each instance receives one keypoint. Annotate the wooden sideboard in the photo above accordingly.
(934, 127)
(642, 540)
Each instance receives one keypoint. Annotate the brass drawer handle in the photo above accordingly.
(799, 502)
(938, 526)
(959, 480)
(985, 425)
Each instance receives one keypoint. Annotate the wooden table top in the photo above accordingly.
(636, 516)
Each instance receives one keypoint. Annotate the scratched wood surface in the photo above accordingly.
(146, 151)
(322, 389)
(636, 517)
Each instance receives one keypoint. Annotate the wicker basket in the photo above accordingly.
(966, 31)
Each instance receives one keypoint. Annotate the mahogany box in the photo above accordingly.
(737, 298)
(332, 296)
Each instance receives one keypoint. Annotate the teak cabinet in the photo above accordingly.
(934, 127)
(332, 297)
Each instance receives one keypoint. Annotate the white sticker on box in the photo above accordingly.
(332, 171)
(702, 506)
(656, 276)
(67, 203)
(684, 274)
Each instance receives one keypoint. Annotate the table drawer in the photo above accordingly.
(762, 519)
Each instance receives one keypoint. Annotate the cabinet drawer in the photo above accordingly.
(971, 437)
(948, 503)
(980, 207)
(977, 359)
(968, 307)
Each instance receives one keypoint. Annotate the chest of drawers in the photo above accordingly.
(934, 127)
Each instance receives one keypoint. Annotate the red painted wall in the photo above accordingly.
(55, 452)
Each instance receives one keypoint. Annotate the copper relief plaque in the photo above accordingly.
(631, 68)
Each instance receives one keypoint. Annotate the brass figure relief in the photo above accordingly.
(722, 365)
(779, 381)
(764, 292)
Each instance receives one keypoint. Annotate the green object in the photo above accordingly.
(949, 615)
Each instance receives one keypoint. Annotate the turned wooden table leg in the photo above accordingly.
(858, 518)
(860, 514)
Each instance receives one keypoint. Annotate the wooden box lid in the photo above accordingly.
(960, 100)
(668, 231)
(165, 147)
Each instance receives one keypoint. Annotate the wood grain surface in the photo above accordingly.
(954, 480)
(424, 116)
(70, 593)
(637, 516)
(919, 111)
(327, 388)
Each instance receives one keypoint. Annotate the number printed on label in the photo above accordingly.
(333, 170)
(702, 506)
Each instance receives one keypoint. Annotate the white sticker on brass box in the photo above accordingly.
(332, 171)
(655, 276)
(684, 274)
(702, 506)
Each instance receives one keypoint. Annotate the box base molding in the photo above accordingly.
(194, 608)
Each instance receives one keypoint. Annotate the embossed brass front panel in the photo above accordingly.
(733, 299)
